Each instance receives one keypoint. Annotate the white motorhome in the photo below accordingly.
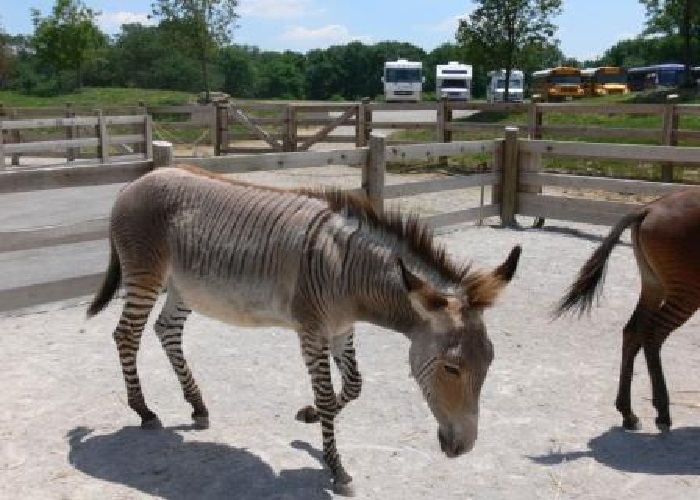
(403, 80)
(497, 86)
(453, 80)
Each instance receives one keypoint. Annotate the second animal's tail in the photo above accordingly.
(590, 278)
(110, 284)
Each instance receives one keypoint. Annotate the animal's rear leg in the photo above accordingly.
(631, 343)
(673, 313)
(127, 335)
(169, 327)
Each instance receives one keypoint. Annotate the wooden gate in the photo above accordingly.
(272, 127)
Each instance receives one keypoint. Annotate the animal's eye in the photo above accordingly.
(451, 369)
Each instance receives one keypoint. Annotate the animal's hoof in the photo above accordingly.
(151, 424)
(201, 422)
(631, 423)
(663, 426)
(308, 415)
(342, 485)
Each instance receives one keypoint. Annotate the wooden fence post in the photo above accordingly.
(144, 129)
(443, 118)
(147, 137)
(162, 154)
(509, 177)
(373, 171)
(221, 139)
(102, 138)
(368, 122)
(71, 133)
(361, 124)
(289, 134)
(16, 138)
(668, 129)
(534, 122)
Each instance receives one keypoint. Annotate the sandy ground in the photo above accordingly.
(548, 427)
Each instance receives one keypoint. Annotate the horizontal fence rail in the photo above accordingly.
(517, 183)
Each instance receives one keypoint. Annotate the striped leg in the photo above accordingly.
(316, 357)
(169, 328)
(343, 352)
(127, 335)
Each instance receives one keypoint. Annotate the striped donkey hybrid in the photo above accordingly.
(314, 261)
(666, 243)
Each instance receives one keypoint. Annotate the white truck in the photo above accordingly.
(453, 81)
(497, 86)
(403, 80)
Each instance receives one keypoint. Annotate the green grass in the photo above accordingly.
(99, 97)
(465, 163)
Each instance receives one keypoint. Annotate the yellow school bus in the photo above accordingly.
(562, 83)
(604, 80)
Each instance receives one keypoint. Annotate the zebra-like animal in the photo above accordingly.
(315, 261)
(666, 243)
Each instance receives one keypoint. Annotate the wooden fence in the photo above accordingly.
(100, 138)
(517, 181)
(243, 127)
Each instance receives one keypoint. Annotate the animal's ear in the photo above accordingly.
(424, 297)
(483, 288)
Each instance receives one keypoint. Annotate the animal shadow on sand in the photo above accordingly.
(161, 463)
(672, 453)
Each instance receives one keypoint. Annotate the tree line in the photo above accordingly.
(191, 52)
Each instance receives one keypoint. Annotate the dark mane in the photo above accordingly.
(407, 227)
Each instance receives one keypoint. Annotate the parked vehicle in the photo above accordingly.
(453, 81)
(496, 88)
(604, 80)
(403, 80)
(562, 83)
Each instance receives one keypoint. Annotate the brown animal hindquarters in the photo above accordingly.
(666, 242)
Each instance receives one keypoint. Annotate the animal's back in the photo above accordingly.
(231, 249)
(668, 239)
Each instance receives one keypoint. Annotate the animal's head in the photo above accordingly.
(450, 351)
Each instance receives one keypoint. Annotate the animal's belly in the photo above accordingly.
(252, 305)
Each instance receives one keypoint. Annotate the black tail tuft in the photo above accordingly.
(110, 284)
(589, 283)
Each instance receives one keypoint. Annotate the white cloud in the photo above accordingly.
(448, 25)
(111, 22)
(324, 36)
(277, 9)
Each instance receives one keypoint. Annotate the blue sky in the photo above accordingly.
(586, 27)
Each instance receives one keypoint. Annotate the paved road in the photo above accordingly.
(412, 116)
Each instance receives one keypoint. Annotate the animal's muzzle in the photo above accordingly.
(451, 445)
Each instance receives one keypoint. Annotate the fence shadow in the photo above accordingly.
(673, 453)
(161, 463)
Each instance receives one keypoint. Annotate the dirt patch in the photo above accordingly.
(548, 428)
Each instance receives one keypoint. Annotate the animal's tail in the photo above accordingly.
(589, 283)
(110, 283)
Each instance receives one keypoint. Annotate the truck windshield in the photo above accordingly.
(612, 78)
(454, 83)
(411, 75)
(514, 84)
(559, 79)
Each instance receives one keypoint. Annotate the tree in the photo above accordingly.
(145, 57)
(68, 37)
(498, 31)
(207, 24)
(675, 17)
